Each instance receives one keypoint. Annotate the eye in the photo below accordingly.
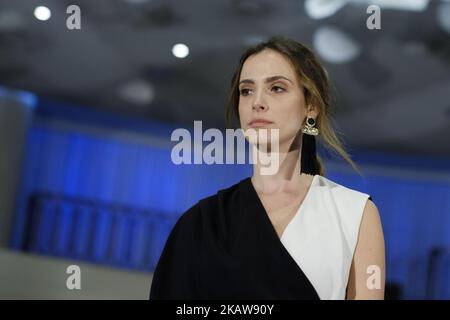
(244, 92)
(278, 89)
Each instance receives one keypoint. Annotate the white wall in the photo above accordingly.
(29, 276)
(14, 122)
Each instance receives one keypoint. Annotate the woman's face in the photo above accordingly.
(269, 90)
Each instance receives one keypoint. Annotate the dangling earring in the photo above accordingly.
(309, 164)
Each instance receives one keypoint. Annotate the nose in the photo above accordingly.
(259, 107)
(259, 104)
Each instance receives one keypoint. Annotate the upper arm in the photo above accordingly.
(174, 275)
(367, 272)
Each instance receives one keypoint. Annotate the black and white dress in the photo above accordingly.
(225, 247)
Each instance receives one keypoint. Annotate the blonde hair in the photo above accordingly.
(317, 90)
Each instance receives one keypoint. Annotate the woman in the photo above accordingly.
(291, 235)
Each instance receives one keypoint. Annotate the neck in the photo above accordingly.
(287, 178)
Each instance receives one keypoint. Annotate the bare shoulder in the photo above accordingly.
(367, 274)
(370, 238)
(371, 215)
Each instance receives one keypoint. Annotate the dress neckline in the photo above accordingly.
(298, 211)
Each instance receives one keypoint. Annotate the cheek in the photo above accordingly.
(292, 117)
(240, 109)
(243, 114)
(293, 112)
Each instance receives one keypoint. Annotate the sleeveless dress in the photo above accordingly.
(225, 247)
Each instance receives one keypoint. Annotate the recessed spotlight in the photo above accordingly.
(42, 13)
(180, 50)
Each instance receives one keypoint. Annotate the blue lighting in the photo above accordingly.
(27, 98)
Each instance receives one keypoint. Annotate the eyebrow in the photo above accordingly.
(267, 80)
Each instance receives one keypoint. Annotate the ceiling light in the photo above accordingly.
(443, 16)
(42, 13)
(409, 5)
(180, 50)
(138, 92)
(319, 9)
(335, 46)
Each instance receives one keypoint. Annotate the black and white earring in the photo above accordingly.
(309, 164)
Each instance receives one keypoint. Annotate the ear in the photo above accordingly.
(312, 111)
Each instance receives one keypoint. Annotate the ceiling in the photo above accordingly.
(393, 96)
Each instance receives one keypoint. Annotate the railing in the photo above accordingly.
(133, 238)
(84, 229)
(438, 284)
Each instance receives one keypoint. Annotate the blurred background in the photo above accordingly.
(86, 116)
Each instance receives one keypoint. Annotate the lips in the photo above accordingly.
(259, 122)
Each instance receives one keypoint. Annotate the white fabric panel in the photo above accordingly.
(323, 234)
